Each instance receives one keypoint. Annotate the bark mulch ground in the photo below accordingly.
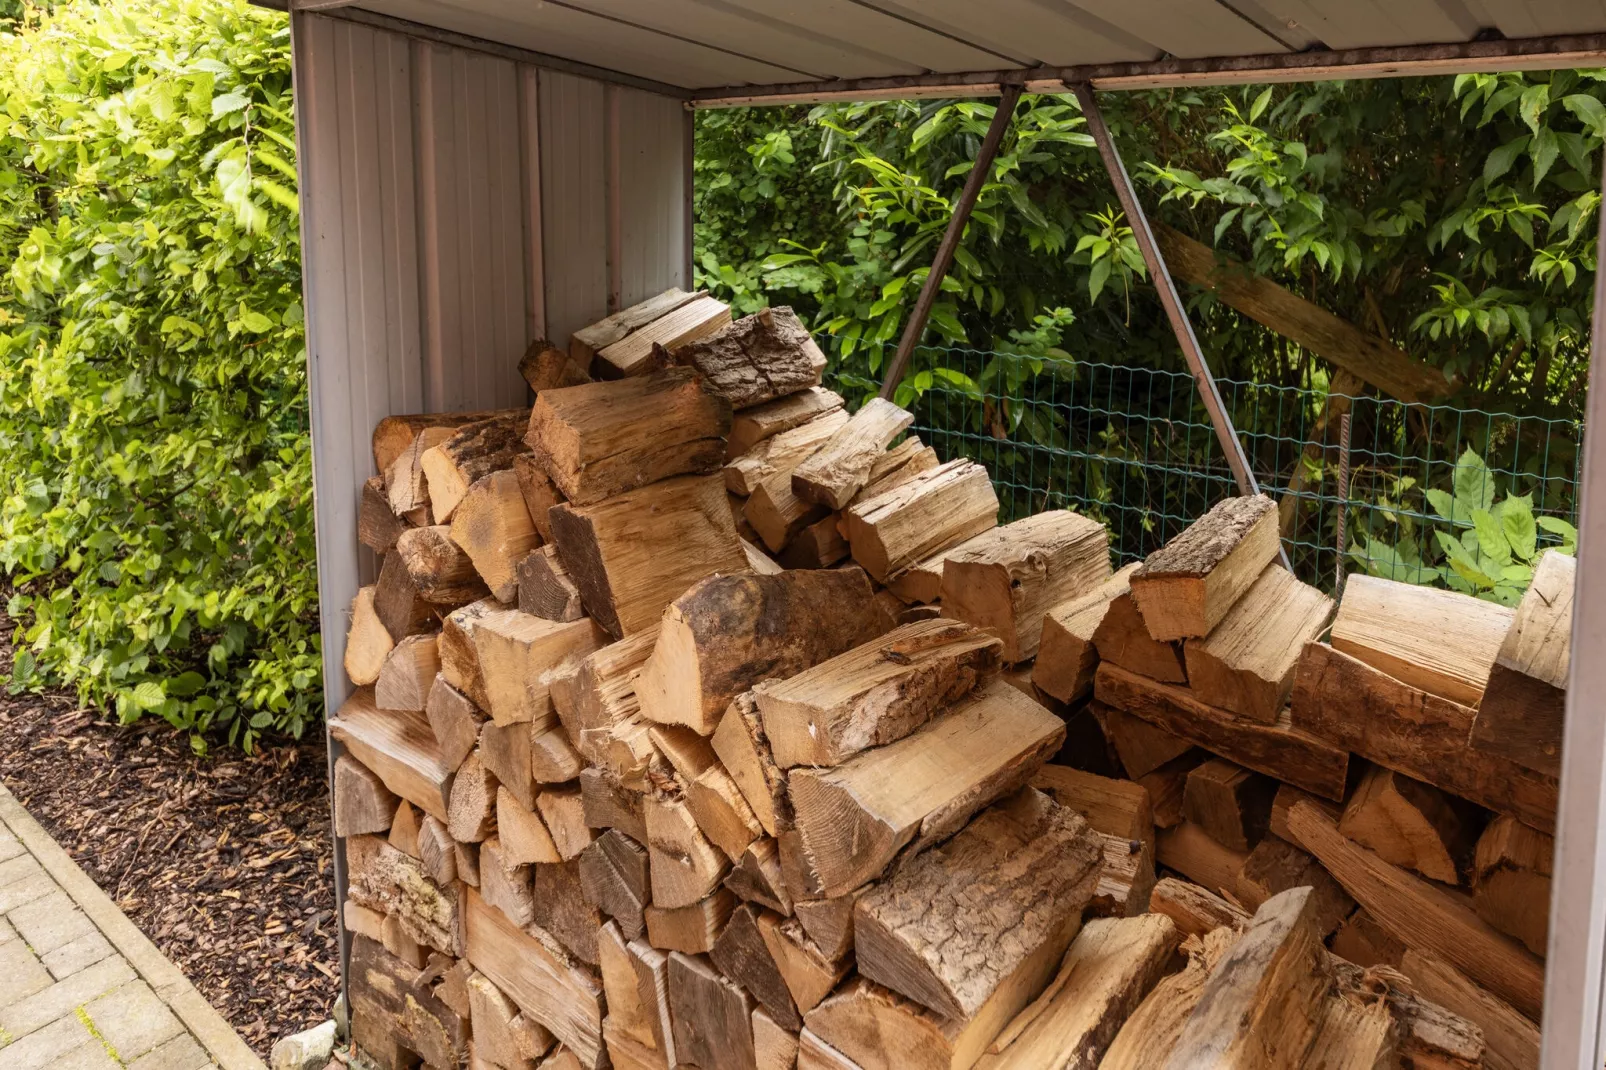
(223, 861)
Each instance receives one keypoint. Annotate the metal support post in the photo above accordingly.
(979, 172)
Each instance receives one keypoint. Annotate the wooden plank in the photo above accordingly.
(1352, 705)
(1279, 750)
(1441, 642)
(1525, 702)
(633, 354)
(587, 341)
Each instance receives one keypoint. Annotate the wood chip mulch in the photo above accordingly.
(223, 861)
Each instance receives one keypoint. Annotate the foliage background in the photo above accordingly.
(155, 476)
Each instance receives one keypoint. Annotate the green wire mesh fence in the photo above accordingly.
(1134, 448)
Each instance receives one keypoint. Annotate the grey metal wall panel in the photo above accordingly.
(448, 198)
(574, 201)
(652, 194)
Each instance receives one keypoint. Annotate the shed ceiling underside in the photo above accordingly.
(721, 50)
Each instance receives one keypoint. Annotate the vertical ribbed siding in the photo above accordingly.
(455, 206)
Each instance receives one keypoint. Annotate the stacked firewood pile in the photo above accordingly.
(702, 724)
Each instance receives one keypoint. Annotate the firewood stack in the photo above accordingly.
(621, 788)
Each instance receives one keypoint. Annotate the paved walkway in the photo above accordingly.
(81, 988)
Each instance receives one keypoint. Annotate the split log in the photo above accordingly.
(721, 811)
(1186, 587)
(713, 1017)
(363, 804)
(759, 423)
(1511, 881)
(819, 545)
(854, 819)
(1150, 1035)
(504, 750)
(691, 930)
(933, 511)
(473, 453)
(467, 857)
(635, 553)
(408, 674)
(615, 877)
(758, 561)
(1141, 747)
(536, 975)
(809, 974)
(403, 833)
(396, 995)
(603, 688)
(775, 512)
(1032, 861)
(1279, 750)
(728, 633)
(1111, 966)
(384, 879)
(1262, 1003)
(756, 877)
(524, 836)
(607, 804)
(1362, 941)
(757, 359)
(493, 527)
(1525, 702)
(455, 721)
(741, 955)
(835, 473)
(1168, 785)
(815, 1054)
(1276, 866)
(774, 1048)
(829, 922)
(1358, 707)
(514, 650)
(406, 484)
(1284, 801)
(1005, 580)
(399, 748)
(780, 452)
(1246, 664)
(560, 907)
(498, 1028)
(1067, 656)
(873, 694)
(540, 493)
(378, 526)
(563, 811)
(460, 664)
(1442, 642)
(401, 609)
(546, 367)
(1411, 824)
(626, 1012)
(1193, 909)
(685, 866)
(441, 572)
(362, 921)
(436, 851)
(602, 439)
(877, 1029)
(1122, 638)
(1116, 807)
(368, 642)
(471, 813)
(1421, 915)
(393, 434)
(745, 752)
(553, 759)
(1512, 1041)
(1230, 804)
(505, 884)
(587, 342)
(1353, 1032)
(1188, 850)
(652, 983)
(678, 326)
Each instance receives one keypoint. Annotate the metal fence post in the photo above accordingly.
(979, 171)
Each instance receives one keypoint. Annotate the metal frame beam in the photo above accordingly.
(979, 173)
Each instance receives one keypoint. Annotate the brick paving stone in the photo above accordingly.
(180, 1053)
(6, 931)
(48, 1048)
(83, 952)
(134, 1020)
(26, 890)
(10, 846)
(49, 922)
(21, 974)
(91, 1056)
(16, 868)
(62, 998)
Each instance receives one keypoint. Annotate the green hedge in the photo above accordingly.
(155, 469)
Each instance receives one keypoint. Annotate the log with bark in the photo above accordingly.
(835, 473)
(935, 510)
(1186, 587)
(780, 452)
(1525, 701)
(473, 452)
(757, 359)
(1066, 655)
(394, 434)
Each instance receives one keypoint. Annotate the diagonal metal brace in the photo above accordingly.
(979, 173)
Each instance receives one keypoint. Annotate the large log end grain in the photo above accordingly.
(757, 358)
(1187, 586)
(728, 633)
(1032, 861)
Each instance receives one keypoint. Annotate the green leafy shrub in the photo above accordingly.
(155, 471)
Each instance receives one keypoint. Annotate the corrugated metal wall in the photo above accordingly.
(455, 206)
